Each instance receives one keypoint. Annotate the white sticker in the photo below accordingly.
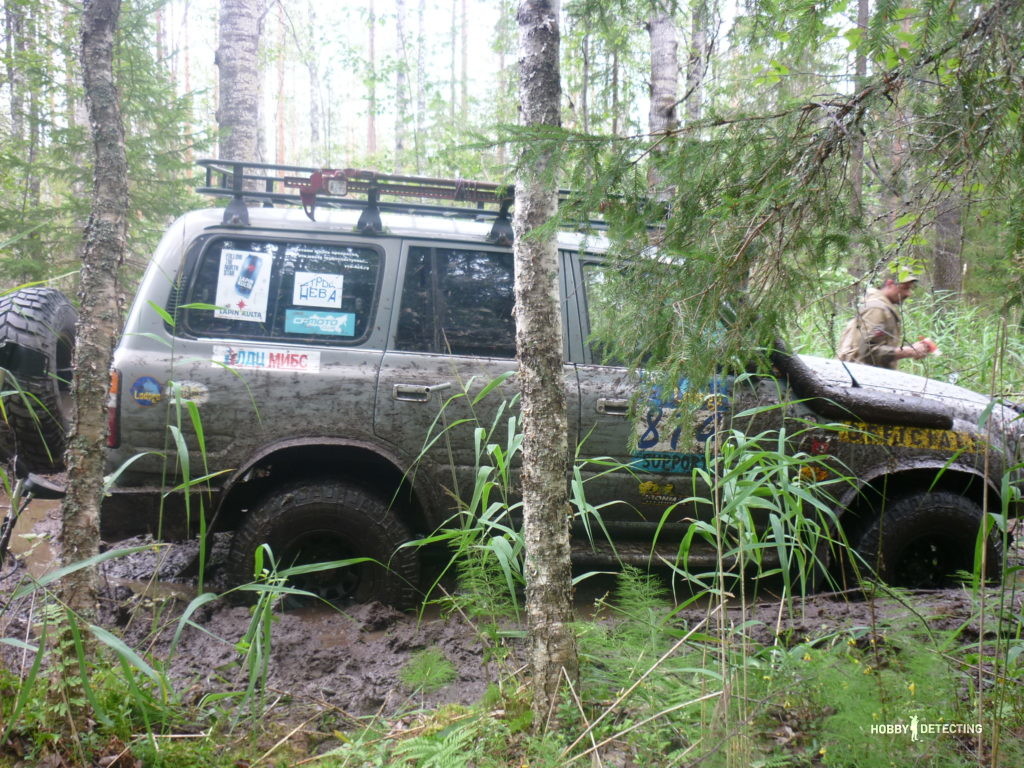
(317, 289)
(243, 285)
(190, 391)
(263, 359)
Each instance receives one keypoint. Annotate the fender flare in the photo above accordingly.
(425, 491)
(848, 499)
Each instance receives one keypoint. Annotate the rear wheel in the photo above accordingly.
(37, 343)
(327, 520)
(925, 540)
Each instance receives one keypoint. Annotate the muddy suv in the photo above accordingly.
(311, 379)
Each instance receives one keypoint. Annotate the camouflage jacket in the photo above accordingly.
(874, 334)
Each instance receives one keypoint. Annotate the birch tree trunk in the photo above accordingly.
(315, 113)
(371, 74)
(99, 313)
(281, 116)
(421, 84)
(663, 117)
(14, 43)
(401, 84)
(239, 82)
(454, 51)
(539, 350)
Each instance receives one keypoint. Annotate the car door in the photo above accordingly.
(449, 366)
(657, 438)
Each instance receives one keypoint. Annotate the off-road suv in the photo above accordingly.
(325, 369)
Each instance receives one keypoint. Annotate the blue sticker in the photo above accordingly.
(321, 323)
(147, 391)
(668, 462)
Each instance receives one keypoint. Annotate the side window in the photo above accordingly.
(458, 302)
(601, 315)
(284, 291)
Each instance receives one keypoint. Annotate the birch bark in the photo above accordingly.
(99, 314)
(539, 350)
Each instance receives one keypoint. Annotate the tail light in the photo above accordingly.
(114, 410)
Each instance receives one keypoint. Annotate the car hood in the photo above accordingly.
(960, 403)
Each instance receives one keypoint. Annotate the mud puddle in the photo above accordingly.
(349, 661)
(31, 540)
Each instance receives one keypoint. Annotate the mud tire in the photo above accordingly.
(320, 521)
(922, 541)
(37, 342)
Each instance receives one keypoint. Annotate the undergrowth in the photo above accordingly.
(728, 675)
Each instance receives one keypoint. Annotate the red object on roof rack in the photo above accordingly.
(339, 183)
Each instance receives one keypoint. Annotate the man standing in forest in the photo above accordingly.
(875, 334)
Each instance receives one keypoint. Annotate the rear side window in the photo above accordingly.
(459, 302)
(283, 291)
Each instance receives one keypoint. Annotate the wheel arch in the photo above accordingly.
(364, 464)
(865, 500)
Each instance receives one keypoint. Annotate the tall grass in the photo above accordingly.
(745, 672)
(969, 337)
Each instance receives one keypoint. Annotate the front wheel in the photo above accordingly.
(925, 540)
(323, 521)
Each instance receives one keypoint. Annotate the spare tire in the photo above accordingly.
(37, 342)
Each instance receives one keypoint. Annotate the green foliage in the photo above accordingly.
(428, 671)
(486, 551)
(44, 194)
(758, 208)
(770, 514)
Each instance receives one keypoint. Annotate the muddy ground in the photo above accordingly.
(348, 662)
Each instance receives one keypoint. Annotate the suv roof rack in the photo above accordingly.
(309, 187)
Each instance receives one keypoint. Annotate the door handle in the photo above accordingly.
(417, 393)
(612, 407)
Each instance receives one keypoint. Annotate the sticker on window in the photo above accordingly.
(306, 361)
(317, 289)
(321, 323)
(243, 285)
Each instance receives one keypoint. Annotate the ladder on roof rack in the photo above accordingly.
(283, 185)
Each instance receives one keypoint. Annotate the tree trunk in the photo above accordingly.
(401, 85)
(239, 81)
(99, 313)
(697, 61)
(282, 92)
(539, 350)
(464, 51)
(947, 262)
(371, 117)
(421, 84)
(317, 151)
(454, 73)
(859, 265)
(585, 84)
(857, 140)
(186, 66)
(663, 119)
(615, 93)
(14, 44)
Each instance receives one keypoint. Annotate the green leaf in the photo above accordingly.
(128, 655)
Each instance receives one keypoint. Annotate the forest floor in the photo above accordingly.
(348, 663)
